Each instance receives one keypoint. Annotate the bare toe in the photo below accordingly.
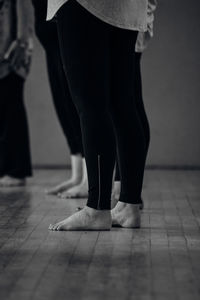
(54, 226)
(60, 227)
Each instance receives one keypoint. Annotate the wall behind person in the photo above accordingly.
(170, 67)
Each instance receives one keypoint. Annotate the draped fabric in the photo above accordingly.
(128, 14)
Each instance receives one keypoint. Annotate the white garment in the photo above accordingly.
(144, 37)
(127, 14)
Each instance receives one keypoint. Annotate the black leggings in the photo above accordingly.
(15, 157)
(140, 108)
(99, 63)
(65, 109)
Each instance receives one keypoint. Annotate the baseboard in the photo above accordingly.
(148, 167)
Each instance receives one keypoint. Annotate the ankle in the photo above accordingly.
(92, 211)
(124, 205)
(76, 165)
(117, 187)
(75, 179)
(120, 206)
(84, 180)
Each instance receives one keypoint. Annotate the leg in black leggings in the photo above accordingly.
(140, 102)
(65, 109)
(140, 108)
(127, 121)
(64, 106)
(100, 69)
(76, 185)
(141, 112)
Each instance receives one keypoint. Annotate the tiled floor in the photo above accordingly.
(159, 261)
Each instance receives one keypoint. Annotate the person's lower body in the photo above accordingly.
(77, 184)
(15, 160)
(145, 125)
(101, 77)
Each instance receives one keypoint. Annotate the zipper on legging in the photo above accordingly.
(99, 174)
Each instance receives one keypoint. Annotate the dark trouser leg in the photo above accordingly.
(14, 139)
(140, 109)
(117, 171)
(140, 102)
(65, 109)
(127, 122)
(86, 62)
(64, 106)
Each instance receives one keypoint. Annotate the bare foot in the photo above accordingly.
(126, 215)
(9, 181)
(86, 219)
(76, 177)
(58, 189)
(78, 191)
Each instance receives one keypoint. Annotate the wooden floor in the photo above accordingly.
(159, 261)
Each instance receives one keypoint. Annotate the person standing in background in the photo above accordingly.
(16, 29)
(77, 184)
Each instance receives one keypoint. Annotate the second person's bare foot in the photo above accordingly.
(58, 189)
(78, 191)
(76, 177)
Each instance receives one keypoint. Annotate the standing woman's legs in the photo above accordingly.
(127, 123)
(145, 125)
(77, 185)
(68, 118)
(84, 43)
(89, 75)
(64, 106)
(15, 160)
(65, 109)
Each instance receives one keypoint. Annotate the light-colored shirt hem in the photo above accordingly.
(110, 21)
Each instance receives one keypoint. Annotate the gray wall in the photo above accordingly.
(171, 92)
